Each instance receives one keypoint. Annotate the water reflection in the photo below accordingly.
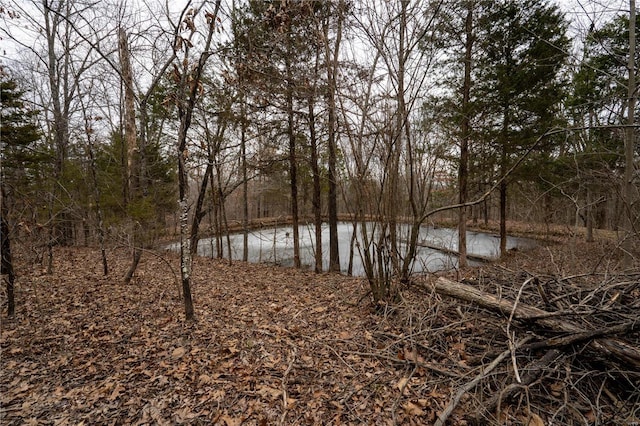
(275, 245)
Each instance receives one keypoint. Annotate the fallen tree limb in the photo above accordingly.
(444, 415)
(556, 342)
(605, 346)
(532, 372)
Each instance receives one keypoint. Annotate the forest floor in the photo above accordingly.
(273, 345)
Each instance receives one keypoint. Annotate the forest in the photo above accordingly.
(146, 146)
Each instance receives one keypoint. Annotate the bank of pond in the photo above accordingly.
(437, 248)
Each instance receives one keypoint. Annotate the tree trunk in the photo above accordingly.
(245, 185)
(630, 236)
(60, 81)
(331, 59)
(185, 237)
(135, 260)
(503, 218)
(503, 182)
(199, 213)
(97, 199)
(217, 221)
(588, 211)
(130, 137)
(6, 265)
(316, 199)
(293, 166)
(463, 170)
(186, 102)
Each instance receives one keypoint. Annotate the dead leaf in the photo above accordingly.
(230, 421)
(268, 392)
(402, 383)
(535, 420)
(413, 409)
(178, 352)
(345, 335)
(116, 392)
(291, 403)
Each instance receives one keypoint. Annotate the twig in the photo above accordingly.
(532, 371)
(442, 418)
(428, 366)
(284, 386)
(397, 401)
(512, 337)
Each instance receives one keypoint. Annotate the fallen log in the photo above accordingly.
(608, 347)
(446, 250)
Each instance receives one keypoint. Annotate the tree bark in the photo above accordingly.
(97, 198)
(199, 213)
(503, 218)
(463, 170)
(331, 59)
(316, 198)
(588, 211)
(135, 260)
(130, 137)
(6, 265)
(61, 86)
(293, 166)
(630, 234)
(245, 182)
(189, 80)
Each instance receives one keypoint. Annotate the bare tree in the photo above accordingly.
(188, 83)
(401, 34)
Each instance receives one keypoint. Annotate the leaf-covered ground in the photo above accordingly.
(270, 346)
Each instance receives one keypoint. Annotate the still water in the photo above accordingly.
(275, 245)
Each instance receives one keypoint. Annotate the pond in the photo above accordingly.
(275, 245)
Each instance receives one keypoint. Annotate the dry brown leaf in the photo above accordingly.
(413, 409)
(268, 392)
(291, 402)
(116, 392)
(402, 383)
(178, 352)
(345, 335)
(231, 421)
(535, 420)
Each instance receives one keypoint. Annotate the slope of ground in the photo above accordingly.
(275, 346)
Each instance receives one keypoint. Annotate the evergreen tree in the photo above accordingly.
(19, 133)
(519, 80)
(17, 137)
(593, 157)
